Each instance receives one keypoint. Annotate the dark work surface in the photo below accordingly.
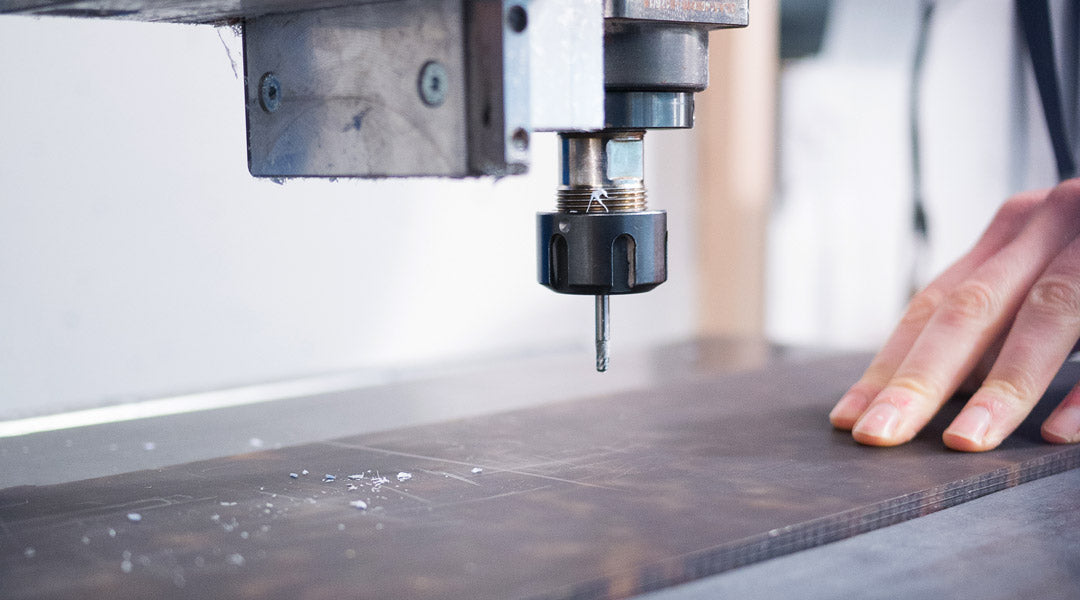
(1023, 542)
(597, 498)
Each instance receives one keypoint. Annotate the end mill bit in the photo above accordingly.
(603, 333)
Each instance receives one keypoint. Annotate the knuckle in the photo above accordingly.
(1056, 296)
(1017, 207)
(921, 307)
(1065, 197)
(971, 302)
(920, 390)
(1003, 397)
(1013, 386)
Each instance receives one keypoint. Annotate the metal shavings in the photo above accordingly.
(294, 475)
(245, 535)
(304, 472)
(403, 476)
(477, 470)
(134, 517)
(235, 559)
(112, 532)
(268, 505)
(359, 504)
(85, 540)
(215, 518)
(356, 477)
(227, 503)
(352, 487)
(341, 527)
(126, 566)
(377, 482)
(328, 478)
(29, 553)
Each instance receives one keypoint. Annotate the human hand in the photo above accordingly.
(1004, 316)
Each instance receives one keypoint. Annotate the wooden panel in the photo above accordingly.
(736, 165)
(602, 498)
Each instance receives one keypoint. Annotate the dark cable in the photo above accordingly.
(920, 222)
(914, 93)
(1034, 16)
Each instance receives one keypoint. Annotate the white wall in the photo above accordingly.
(842, 255)
(139, 259)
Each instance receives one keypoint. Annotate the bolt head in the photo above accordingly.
(433, 83)
(269, 92)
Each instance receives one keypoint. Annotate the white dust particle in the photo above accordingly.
(236, 559)
(85, 540)
(351, 487)
(134, 517)
(112, 532)
(341, 527)
(356, 477)
(379, 526)
(359, 504)
(268, 505)
(477, 470)
(244, 535)
(148, 446)
(227, 503)
(126, 566)
(215, 518)
(403, 476)
(29, 553)
(256, 443)
(350, 553)
(294, 475)
(304, 472)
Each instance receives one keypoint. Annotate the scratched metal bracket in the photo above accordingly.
(403, 88)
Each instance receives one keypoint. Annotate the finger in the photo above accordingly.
(967, 322)
(1041, 338)
(1004, 227)
(1063, 425)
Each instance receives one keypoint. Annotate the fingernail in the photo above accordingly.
(1065, 425)
(880, 422)
(971, 424)
(847, 409)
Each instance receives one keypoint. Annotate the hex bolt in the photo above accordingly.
(433, 83)
(269, 92)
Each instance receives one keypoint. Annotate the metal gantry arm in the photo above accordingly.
(456, 88)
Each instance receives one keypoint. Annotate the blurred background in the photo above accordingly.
(140, 260)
